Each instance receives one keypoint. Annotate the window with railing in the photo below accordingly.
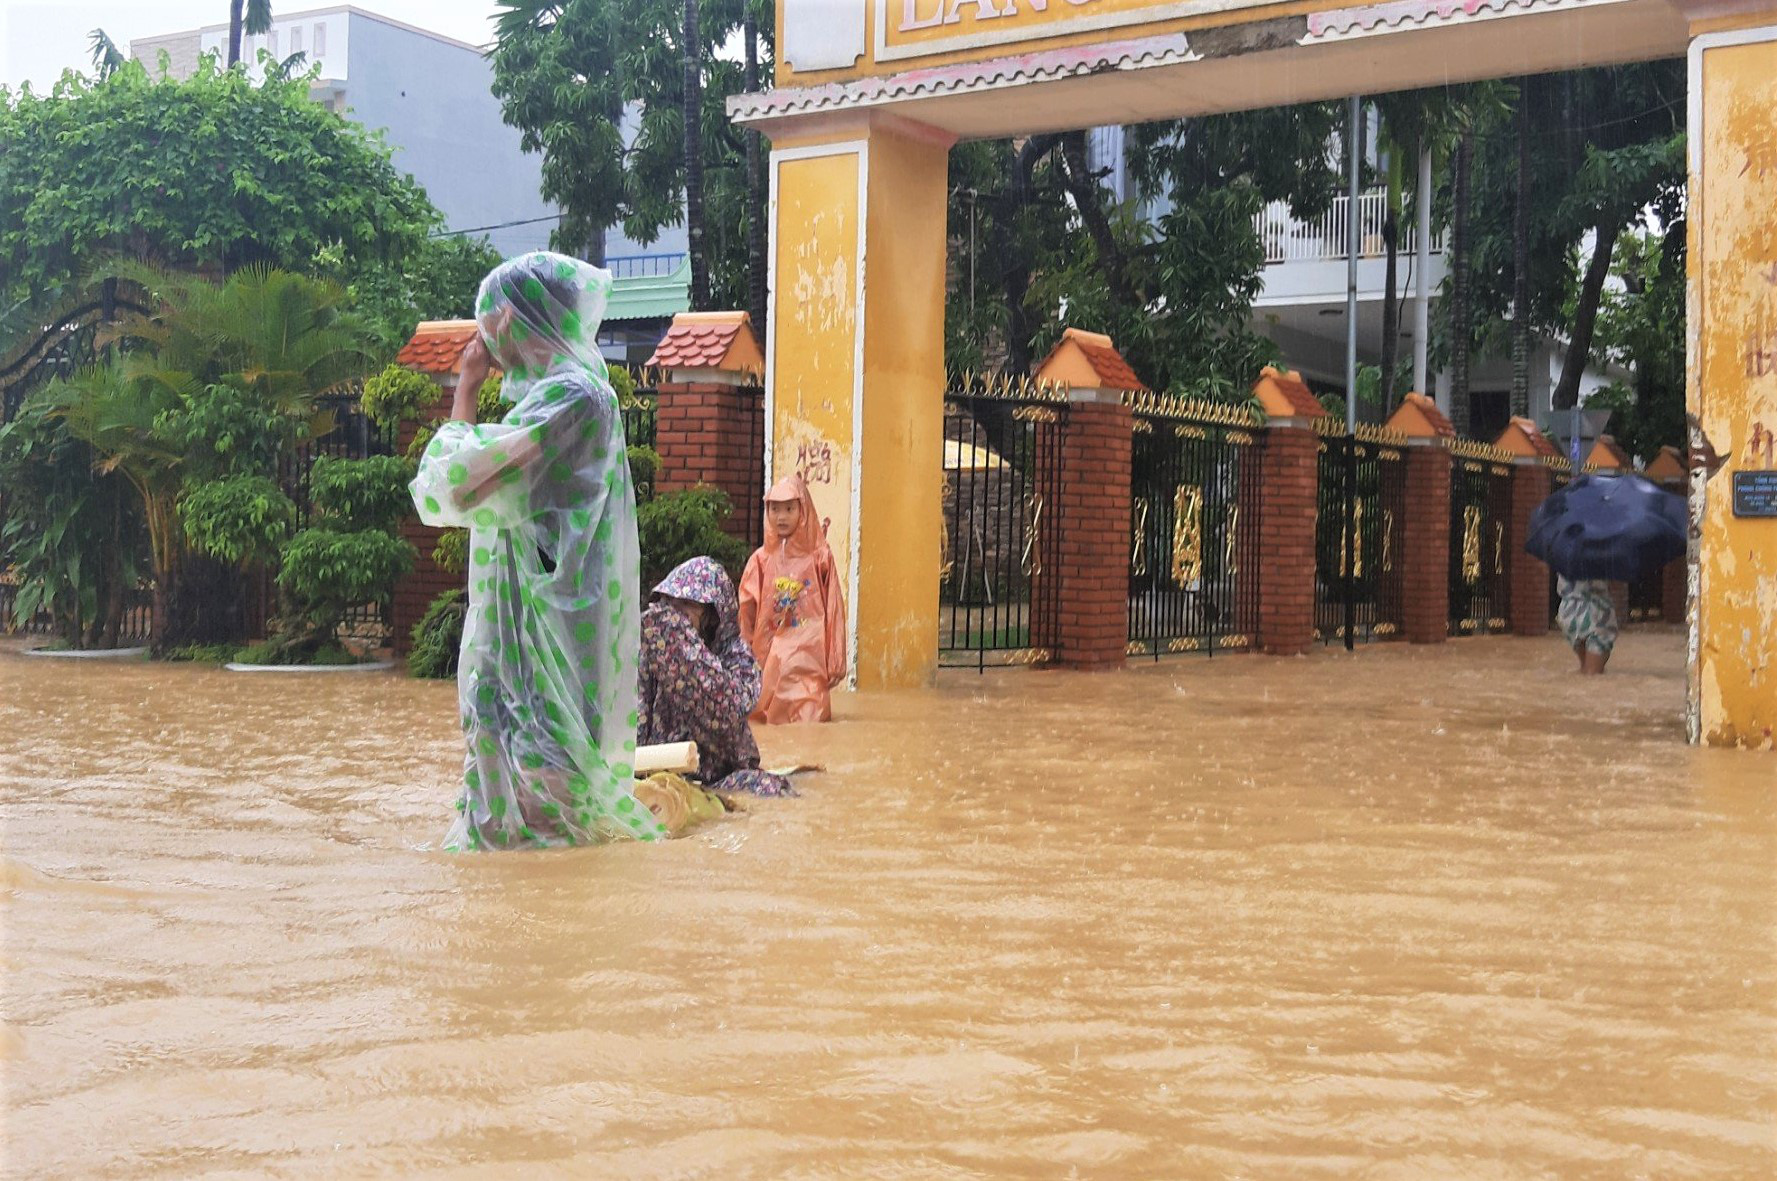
(644, 266)
(1321, 239)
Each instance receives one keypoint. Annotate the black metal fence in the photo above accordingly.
(1002, 487)
(1194, 514)
(1359, 535)
(1647, 598)
(1480, 515)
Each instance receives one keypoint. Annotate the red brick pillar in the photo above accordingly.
(1425, 581)
(427, 580)
(712, 432)
(1091, 536)
(1531, 484)
(1619, 598)
(1288, 494)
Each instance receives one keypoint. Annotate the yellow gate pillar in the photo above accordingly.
(854, 368)
(1732, 373)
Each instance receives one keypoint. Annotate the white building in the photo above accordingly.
(430, 95)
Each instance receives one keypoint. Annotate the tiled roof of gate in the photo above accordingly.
(436, 346)
(709, 340)
(1523, 437)
(1418, 415)
(1107, 365)
(1286, 395)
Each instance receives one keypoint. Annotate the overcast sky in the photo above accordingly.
(41, 38)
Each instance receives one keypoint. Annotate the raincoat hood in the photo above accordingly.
(540, 312)
(807, 537)
(702, 580)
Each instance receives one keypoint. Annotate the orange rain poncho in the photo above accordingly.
(792, 611)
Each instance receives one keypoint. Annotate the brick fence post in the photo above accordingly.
(1532, 481)
(1425, 535)
(1289, 501)
(1425, 608)
(710, 417)
(1091, 553)
(1289, 492)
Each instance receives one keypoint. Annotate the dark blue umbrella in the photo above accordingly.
(1620, 528)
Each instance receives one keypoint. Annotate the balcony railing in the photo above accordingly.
(1323, 239)
(644, 266)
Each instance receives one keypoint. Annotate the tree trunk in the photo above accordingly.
(756, 211)
(1088, 201)
(234, 38)
(1521, 261)
(1459, 289)
(693, 115)
(1585, 316)
(1391, 303)
(1015, 279)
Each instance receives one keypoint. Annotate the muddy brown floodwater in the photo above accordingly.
(1416, 914)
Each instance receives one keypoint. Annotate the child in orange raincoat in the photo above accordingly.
(792, 610)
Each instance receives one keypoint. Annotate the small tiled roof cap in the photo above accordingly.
(709, 340)
(1419, 417)
(1607, 453)
(1079, 354)
(436, 346)
(1284, 394)
(1667, 466)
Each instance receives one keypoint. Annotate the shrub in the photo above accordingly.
(237, 519)
(398, 394)
(438, 637)
(683, 525)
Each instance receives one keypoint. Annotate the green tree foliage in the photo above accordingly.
(69, 535)
(1605, 148)
(434, 281)
(211, 173)
(352, 553)
(683, 525)
(564, 71)
(1037, 244)
(1642, 327)
(237, 519)
(438, 637)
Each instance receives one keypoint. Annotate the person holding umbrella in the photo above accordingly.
(1598, 530)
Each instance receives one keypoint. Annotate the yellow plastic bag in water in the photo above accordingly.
(677, 802)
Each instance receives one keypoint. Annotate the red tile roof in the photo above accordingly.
(1612, 455)
(436, 346)
(1428, 407)
(1100, 355)
(1287, 390)
(1113, 371)
(710, 340)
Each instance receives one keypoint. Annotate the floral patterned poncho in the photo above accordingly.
(546, 682)
(697, 692)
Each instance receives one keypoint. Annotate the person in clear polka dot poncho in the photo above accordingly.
(547, 678)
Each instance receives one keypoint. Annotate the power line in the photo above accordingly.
(505, 225)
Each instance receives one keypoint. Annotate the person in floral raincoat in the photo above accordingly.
(699, 680)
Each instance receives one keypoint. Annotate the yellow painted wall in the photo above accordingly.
(877, 489)
(815, 326)
(903, 413)
(1733, 386)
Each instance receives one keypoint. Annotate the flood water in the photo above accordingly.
(1414, 914)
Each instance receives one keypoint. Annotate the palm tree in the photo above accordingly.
(288, 337)
(107, 58)
(251, 17)
(691, 51)
(114, 414)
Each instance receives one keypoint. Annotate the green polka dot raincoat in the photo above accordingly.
(547, 679)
